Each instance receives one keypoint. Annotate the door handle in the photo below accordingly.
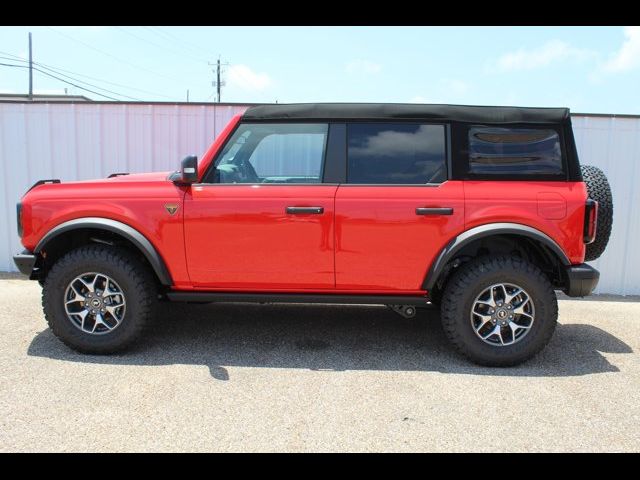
(434, 211)
(305, 210)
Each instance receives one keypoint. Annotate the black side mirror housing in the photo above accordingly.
(189, 170)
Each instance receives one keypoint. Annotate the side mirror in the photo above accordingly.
(189, 169)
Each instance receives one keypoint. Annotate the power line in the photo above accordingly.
(53, 69)
(58, 70)
(78, 86)
(114, 57)
(185, 42)
(60, 79)
(80, 81)
(95, 86)
(160, 34)
(181, 55)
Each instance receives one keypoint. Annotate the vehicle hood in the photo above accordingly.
(132, 177)
(136, 185)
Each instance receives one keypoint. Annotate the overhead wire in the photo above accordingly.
(181, 55)
(59, 71)
(115, 57)
(60, 79)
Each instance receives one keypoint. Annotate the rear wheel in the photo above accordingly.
(499, 311)
(98, 299)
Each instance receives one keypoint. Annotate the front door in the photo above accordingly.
(397, 209)
(262, 219)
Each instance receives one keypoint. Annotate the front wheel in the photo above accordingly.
(499, 311)
(98, 299)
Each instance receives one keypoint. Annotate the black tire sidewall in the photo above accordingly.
(54, 290)
(545, 316)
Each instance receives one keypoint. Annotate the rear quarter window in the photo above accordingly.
(514, 152)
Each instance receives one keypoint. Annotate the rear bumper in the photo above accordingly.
(581, 280)
(25, 262)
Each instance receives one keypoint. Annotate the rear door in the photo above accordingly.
(263, 219)
(397, 209)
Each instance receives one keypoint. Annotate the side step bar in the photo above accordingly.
(295, 298)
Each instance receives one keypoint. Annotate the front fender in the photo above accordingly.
(126, 231)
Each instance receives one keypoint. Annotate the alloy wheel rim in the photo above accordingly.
(94, 303)
(502, 314)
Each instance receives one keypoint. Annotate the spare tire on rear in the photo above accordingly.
(598, 189)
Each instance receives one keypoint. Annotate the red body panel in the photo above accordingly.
(137, 200)
(555, 208)
(239, 236)
(381, 244)
(368, 239)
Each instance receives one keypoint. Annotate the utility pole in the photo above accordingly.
(218, 82)
(187, 95)
(30, 69)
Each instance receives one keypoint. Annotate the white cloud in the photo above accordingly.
(418, 99)
(539, 57)
(628, 57)
(363, 66)
(245, 78)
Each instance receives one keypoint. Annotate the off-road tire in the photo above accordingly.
(599, 190)
(474, 277)
(132, 275)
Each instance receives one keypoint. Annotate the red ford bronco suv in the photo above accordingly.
(482, 211)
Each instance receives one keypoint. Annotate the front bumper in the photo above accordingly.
(581, 280)
(25, 262)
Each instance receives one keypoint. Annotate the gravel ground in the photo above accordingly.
(316, 378)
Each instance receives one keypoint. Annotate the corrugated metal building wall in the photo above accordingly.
(613, 144)
(91, 140)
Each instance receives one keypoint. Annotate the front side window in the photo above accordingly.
(272, 153)
(396, 153)
(514, 151)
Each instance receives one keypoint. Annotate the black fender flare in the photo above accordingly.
(489, 229)
(134, 236)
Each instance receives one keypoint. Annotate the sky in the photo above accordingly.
(588, 69)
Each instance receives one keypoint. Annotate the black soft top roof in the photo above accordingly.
(406, 111)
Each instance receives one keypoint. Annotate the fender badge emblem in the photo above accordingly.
(171, 208)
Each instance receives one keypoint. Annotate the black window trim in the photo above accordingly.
(214, 160)
(447, 148)
(456, 153)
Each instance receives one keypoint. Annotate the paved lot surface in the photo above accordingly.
(327, 378)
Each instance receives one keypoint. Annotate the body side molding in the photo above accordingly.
(130, 233)
(448, 252)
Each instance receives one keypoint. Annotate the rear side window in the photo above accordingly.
(514, 151)
(396, 153)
